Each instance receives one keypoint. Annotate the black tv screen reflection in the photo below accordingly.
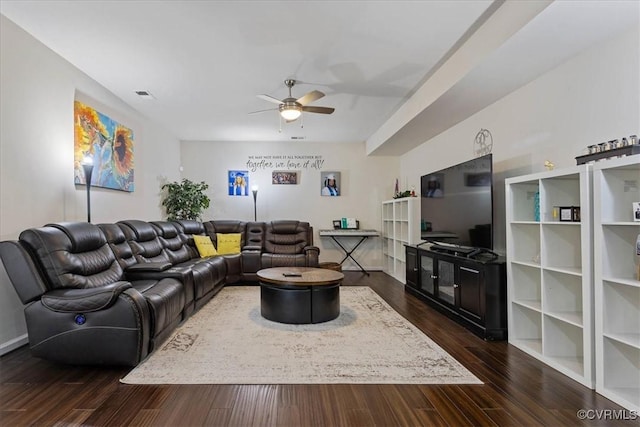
(457, 204)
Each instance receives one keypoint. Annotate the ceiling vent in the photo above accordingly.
(144, 94)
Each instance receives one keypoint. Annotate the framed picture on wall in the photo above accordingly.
(330, 183)
(107, 145)
(238, 183)
(284, 177)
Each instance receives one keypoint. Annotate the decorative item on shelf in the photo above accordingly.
(349, 223)
(403, 194)
(346, 224)
(569, 213)
(483, 143)
(575, 213)
(536, 206)
(548, 165)
(612, 148)
(397, 194)
(635, 211)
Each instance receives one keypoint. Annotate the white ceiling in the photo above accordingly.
(205, 61)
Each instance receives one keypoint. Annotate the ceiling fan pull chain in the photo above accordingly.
(301, 121)
(280, 120)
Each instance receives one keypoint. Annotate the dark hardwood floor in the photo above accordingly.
(517, 391)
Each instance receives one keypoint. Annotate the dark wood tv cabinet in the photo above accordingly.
(469, 288)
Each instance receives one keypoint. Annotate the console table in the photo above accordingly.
(362, 235)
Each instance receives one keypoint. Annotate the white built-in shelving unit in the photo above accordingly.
(549, 270)
(400, 226)
(617, 291)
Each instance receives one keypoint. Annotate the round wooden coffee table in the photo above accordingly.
(299, 295)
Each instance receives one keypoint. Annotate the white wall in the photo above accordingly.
(591, 98)
(38, 88)
(365, 183)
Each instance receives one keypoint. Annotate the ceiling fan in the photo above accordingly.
(291, 108)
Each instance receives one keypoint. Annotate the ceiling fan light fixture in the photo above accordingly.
(290, 111)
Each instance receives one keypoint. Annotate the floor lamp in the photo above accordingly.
(254, 190)
(87, 165)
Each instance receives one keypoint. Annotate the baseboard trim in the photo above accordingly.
(11, 345)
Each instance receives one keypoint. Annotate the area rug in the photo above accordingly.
(228, 342)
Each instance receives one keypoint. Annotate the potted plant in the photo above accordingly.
(185, 199)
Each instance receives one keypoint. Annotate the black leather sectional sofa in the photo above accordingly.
(108, 294)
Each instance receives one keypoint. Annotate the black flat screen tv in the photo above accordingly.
(457, 204)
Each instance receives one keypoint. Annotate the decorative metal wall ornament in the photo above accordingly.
(483, 143)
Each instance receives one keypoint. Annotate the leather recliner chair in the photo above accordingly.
(79, 308)
(289, 243)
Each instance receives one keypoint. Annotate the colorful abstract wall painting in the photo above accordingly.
(108, 144)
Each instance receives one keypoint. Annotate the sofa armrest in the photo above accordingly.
(312, 255)
(251, 259)
(84, 300)
(308, 249)
(22, 271)
(148, 267)
(117, 334)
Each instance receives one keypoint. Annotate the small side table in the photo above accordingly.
(362, 235)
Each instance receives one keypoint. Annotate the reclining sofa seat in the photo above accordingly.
(203, 278)
(289, 243)
(246, 264)
(213, 270)
(78, 307)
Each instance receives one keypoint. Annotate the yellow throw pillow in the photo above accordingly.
(205, 246)
(229, 243)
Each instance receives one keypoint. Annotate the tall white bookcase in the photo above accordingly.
(549, 270)
(617, 292)
(400, 226)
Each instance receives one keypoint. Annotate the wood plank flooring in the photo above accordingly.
(517, 391)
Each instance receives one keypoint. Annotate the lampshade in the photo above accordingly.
(290, 111)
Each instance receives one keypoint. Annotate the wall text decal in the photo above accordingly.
(255, 163)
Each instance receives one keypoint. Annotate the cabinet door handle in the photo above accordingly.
(456, 286)
(415, 269)
(434, 277)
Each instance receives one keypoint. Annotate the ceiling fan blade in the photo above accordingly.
(270, 99)
(314, 95)
(262, 111)
(321, 110)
